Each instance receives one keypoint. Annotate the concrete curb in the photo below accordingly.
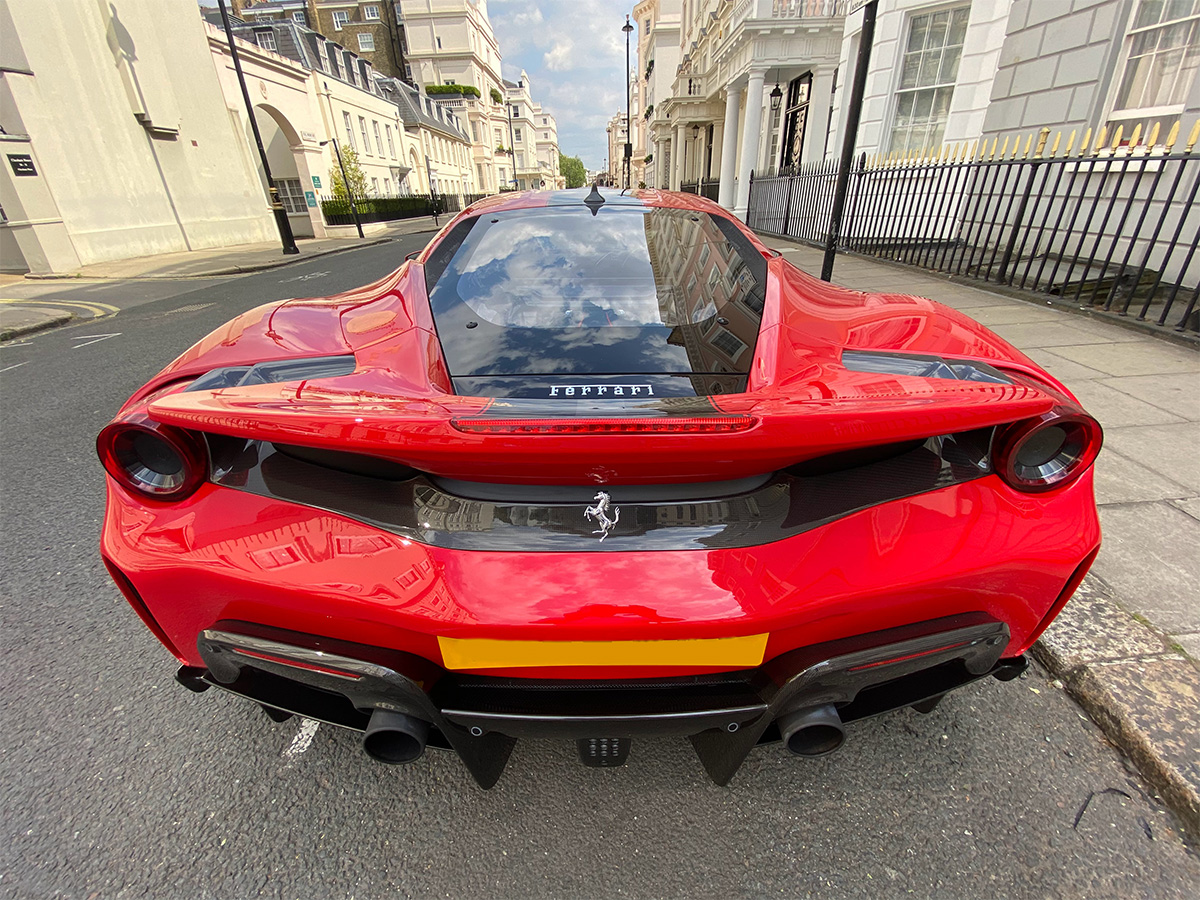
(1144, 695)
(222, 270)
(8, 332)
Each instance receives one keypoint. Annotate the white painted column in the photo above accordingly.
(818, 116)
(725, 192)
(750, 140)
(677, 158)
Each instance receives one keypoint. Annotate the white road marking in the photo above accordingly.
(310, 275)
(95, 339)
(303, 739)
(16, 366)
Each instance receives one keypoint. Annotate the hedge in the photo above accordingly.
(468, 90)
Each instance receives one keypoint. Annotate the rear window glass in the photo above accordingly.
(565, 268)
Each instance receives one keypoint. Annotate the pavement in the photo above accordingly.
(1127, 644)
(240, 258)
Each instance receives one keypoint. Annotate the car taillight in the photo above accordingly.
(156, 460)
(1049, 451)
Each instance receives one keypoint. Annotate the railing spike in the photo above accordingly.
(1116, 141)
(1043, 136)
(1054, 146)
(972, 154)
(1070, 144)
(1028, 147)
(1101, 138)
(1193, 136)
(1172, 136)
(1135, 137)
(1153, 138)
(1083, 145)
(995, 141)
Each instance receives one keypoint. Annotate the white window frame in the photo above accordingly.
(300, 18)
(1131, 115)
(375, 186)
(366, 42)
(391, 146)
(378, 137)
(341, 19)
(291, 195)
(371, 13)
(362, 127)
(897, 91)
(349, 122)
(266, 40)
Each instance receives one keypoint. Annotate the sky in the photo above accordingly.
(574, 53)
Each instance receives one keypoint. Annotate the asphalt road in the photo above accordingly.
(117, 783)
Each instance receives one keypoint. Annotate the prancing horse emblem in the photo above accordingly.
(599, 514)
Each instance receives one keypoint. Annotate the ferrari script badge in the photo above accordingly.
(599, 515)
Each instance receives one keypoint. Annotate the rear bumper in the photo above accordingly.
(725, 715)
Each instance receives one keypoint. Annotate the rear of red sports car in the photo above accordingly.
(598, 467)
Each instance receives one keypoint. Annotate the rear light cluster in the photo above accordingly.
(664, 425)
(1049, 451)
(159, 461)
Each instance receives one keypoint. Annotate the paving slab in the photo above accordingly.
(1149, 559)
(1116, 409)
(1062, 334)
(1120, 479)
(1190, 506)
(1178, 394)
(1172, 451)
(1014, 314)
(1066, 370)
(1140, 357)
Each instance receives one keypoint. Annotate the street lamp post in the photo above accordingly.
(346, 182)
(281, 219)
(512, 143)
(628, 29)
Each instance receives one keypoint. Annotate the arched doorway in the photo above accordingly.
(288, 160)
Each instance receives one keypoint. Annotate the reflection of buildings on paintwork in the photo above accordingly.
(708, 276)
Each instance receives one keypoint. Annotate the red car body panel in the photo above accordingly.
(975, 546)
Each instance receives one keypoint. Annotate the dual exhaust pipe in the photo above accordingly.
(812, 731)
(396, 738)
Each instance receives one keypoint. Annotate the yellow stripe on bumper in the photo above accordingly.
(475, 653)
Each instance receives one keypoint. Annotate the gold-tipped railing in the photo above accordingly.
(1101, 221)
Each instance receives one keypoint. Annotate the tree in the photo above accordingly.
(354, 172)
(572, 169)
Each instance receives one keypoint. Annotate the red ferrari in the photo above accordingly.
(598, 466)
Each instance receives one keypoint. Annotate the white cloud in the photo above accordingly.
(560, 58)
(574, 53)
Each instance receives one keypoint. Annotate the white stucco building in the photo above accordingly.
(148, 159)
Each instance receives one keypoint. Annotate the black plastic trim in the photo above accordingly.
(703, 516)
(725, 715)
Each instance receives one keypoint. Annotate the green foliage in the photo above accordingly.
(497, 97)
(354, 173)
(649, 157)
(466, 90)
(573, 170)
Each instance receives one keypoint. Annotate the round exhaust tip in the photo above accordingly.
(815, 731)
(395, 738)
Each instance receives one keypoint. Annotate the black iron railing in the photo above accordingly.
(1112, 226)
(706, 187)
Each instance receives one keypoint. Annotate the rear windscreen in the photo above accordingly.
(538, 291)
